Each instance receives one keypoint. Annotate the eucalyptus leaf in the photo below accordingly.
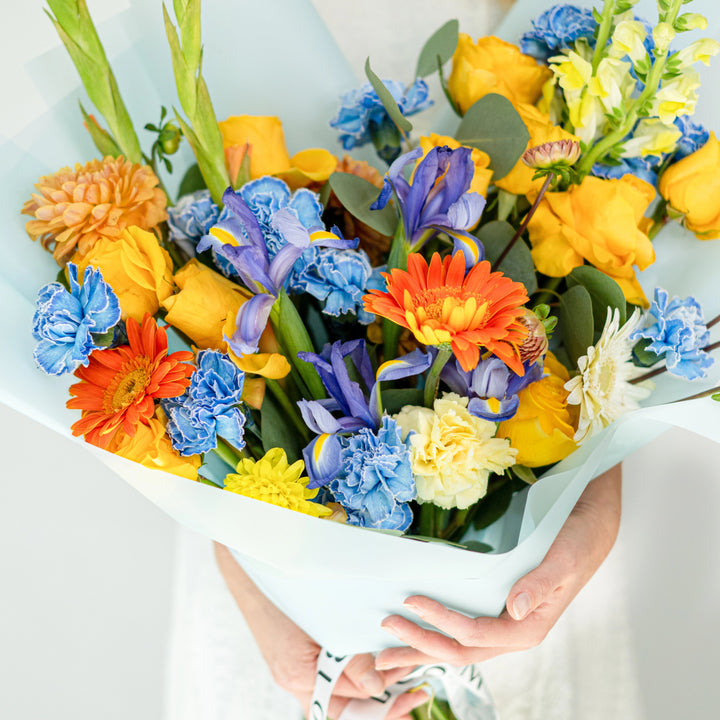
(604, 293)
(518, 263)
(477, 546)
(576, 321)
(642, 357)
(387, 100)
(277, 431)
(441, 44)
(357, 195)
(493, 125)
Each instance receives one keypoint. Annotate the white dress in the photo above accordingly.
(582, 671)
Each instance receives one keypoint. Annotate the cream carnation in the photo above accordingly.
(452, 451)
(602, 389)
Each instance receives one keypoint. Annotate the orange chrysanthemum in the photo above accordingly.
(440, 304)
(119, 386)
(74, 208)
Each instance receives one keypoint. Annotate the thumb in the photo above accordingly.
(361, 671)
(533, 589)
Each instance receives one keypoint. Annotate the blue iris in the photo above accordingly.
(67, 324)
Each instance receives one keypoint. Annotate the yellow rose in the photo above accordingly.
(494, 66)
(483, 174)
(202, 306)
(452, 452)
(542, 429)
(309, 167)
(692, 187)
(600, 221)
(151, 447)
(265, 141)
(137, 268)
(520, 179)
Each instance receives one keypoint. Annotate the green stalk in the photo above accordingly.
(427, 520)
(75, 27)
(397, 258)
(290, 409)
(228, 454)
(608, 12)
(201, 130)
(444, 353)
(600, 149)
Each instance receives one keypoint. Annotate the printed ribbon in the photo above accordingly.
(464, 688)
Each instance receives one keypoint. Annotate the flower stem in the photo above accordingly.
(396, 259)
(704, 393)
(228, 454)
(525, 222)
(714, 321)
(288, 407)
(444, 353)
(608, 12)
(427, 520)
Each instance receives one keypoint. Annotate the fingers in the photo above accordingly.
(402, 658)
(361, 672)
(407, 703)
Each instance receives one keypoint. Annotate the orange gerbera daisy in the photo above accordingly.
(440, 304)
(119, 386)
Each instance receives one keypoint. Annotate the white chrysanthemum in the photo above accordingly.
(602, 389)
(452, 451)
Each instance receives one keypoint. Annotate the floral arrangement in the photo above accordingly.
(406, 351)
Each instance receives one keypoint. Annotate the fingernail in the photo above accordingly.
(412, 607)
(372, 683)
(521, 606)
(389, 627)
(419, 698)
(384, 665)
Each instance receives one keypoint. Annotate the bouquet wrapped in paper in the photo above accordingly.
(375, 383)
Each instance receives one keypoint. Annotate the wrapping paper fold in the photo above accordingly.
(321, 574)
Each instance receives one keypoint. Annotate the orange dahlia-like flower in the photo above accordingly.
(74, 208)
(440, 304)
(119, 386)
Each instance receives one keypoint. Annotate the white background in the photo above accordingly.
(86, 563)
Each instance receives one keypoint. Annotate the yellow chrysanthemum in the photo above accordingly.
(273, 480)
(75, 208)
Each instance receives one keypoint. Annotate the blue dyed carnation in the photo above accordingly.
(361, 107)
(339, 278)
(643, 167)
(694, 136)
(190, 218)
(376, 480)
(557, 29)
(678, 335)
(66, 324)
(209, 407)
(266, 195)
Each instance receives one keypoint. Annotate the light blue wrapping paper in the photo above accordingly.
(337, 582)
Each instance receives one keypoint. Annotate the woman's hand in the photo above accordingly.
(535, 602)
(292, 654)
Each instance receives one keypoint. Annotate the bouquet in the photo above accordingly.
(309, 346)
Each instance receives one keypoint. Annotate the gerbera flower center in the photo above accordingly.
(125, 389)
(435, 300)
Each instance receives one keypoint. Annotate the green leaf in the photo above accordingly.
(477, 546)
(103, 140)
(642, 357)
(518, 264)
(357, 195)
(493, 125)
(395, 399)
(716, 396)
(576, 321)
(524, 473)
(442, 44)
(493, 506)
(192, 181)
(277, 431)
(604, 293)
(388, 101)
